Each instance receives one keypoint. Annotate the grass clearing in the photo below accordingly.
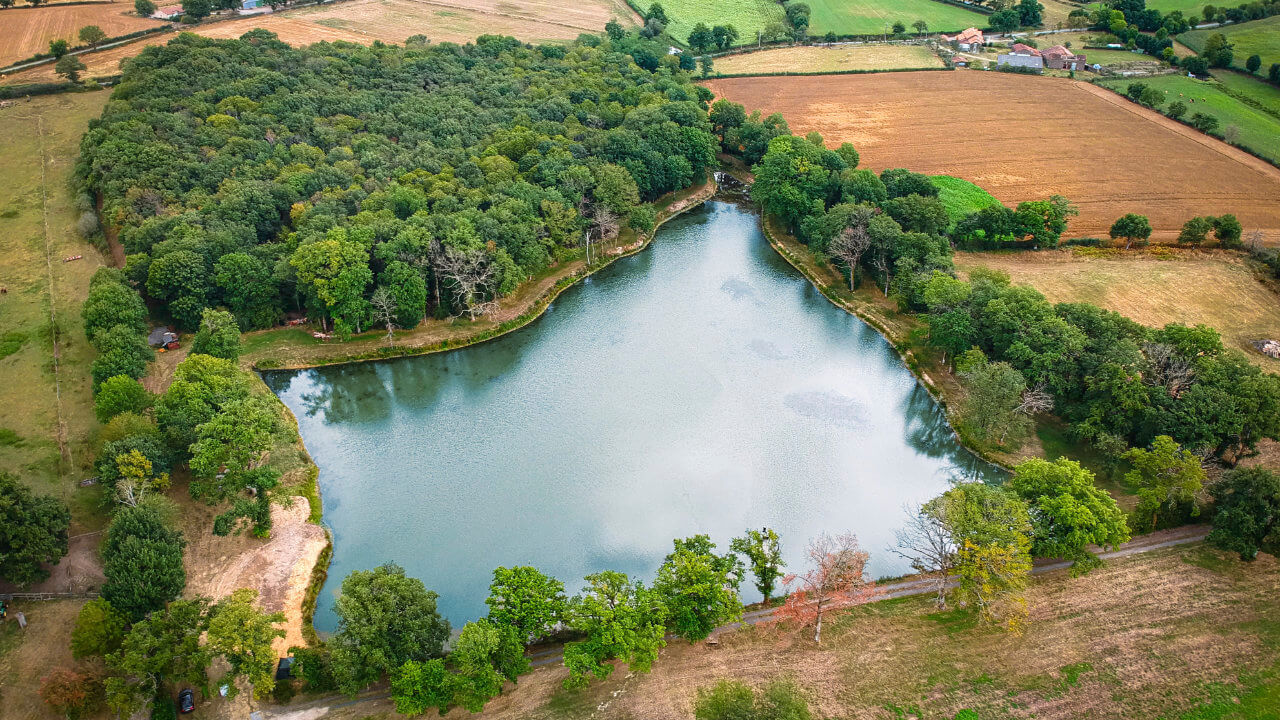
(1257, 37)
(1255, 128)
(39, 140)
(1189, 8)
(817, 59)
(1250, 86)
(961, 197)
(1216, 288)
(869, 17)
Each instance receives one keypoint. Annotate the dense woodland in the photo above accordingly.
(268, 179)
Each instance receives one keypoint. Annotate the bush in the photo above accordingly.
(734, 700)
(118, 394)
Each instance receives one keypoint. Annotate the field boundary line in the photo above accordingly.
(1211, 143)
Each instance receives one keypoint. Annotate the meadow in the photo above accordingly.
(1249, 86)
(868, 17)
(747, 16)
(817, 59)
(1254, 128)
(1258, 37)
(961, 197)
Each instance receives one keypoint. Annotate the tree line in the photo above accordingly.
(265, 179)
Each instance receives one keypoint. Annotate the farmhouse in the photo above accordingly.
(1060, 58)
(969, 40)
(1021, 56)
(167, 12)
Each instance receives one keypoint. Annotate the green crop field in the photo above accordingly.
(748, 16)
(866, 17)
(1261, 92)
(1256, 129)
(1259, 37)
(961, 197)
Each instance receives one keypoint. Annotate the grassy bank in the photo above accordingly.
(292, 348)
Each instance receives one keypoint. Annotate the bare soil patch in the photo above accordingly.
(1024, 138)
(813, 58)
(27, 31)
(1216, 288)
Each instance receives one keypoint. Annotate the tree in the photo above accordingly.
(724, 36)
(1030, 13)
(850, 243)
(92, 35)
(384, 311)
(99, 630)
(144, 8)
(70, 67)
(899, 28)
(218, 336)
(120, 394)
(58, 48)
(1167, 478)
(1194, 230)
(1194, 65)
(230, 446)
(33, 532)
(385, 619)
(1227, 230)
(1204, 123)
(163, 648)
(1248, 512)
(1253, 64)
(419, 686)
(527, 600)
(836, 577)
(700, 38)
(899, 182)
(1131, 227)
(197, 9)
(71, 694)
(764, 554)
(470, 273)
(136, 478)
(121, 351)
(110, 304)
(486, 655)
(248, 288)
(926, 542)
(699, 588)
(993, 395)
(408, 291)
(921, 27)
(243, 635)
(142, 561)
(1176, 109)
(1273, 73)
(705, 63)
(1218, 51)
(1068, 511)
(335, 272)
(992, 578)
(1004, 20)
(619, 620)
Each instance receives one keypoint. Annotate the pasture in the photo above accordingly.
(868, 17)
(747, 16)
(1250, 86)
(1193, 286)
(1253, 128)
(816, 59)
(29, 30)
(1258, 37)
(1107, 155)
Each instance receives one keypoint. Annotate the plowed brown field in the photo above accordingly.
(27, 31)
(1024, 138)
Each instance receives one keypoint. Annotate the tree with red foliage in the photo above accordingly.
(69, 693)
(835, 578)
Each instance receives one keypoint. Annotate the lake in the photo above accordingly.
(700, 386)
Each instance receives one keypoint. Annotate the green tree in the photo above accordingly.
(899, 28)
(700, 38)
(108, 304)
(1176, 109)
(118, 394)
(1167, 479)
(242, 634)
(527, 600)
(1068, 512)
(58, 48)
(920, 26)
(1204, 122)
(1218, 51)
(724, 36)
(1253, 64)
(1194, 230)
(248, 288)
(385, 619)
(706, 64)
(1132, 227)
(335, 272)
(992, 578)
(70, 67)
(33, 532)
(121, 351)
(1248, 512)
(181, 279)
(219, 335)
(993, 396)
(144, 8)
(231, 443)
(417, 687)
(142, 561)
(763, 552)
(1227, 230)
(197, 9)
(99, 630)
(486, 656)
(409, 291)
(619, 620)
(699, 588)
(163, 648)
(615, 188)
(1030, 13)
(92, 35)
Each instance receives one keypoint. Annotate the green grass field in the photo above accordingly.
(1259, 37)
(1256, 129)
(748, 16)
(961, 197)
(1189, 8)
(865, 17)
(1264, 93)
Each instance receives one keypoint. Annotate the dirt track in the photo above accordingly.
(1024, 138)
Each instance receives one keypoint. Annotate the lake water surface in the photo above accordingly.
(701, 386)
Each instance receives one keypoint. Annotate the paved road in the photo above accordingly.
(905, 588)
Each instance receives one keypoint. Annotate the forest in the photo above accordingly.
(325, 182)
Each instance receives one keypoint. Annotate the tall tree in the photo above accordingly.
(1132, 227)
(927, 543)
(1248, 512)
(700, 588)
(243, 635)
(33, 532)
(142, 561)
(527, 600)
(99, 630)
(836, 577)
(763, 552)
(618, 620)
(1167, 478)
(486, 655)
(219, 335)
(1068, 512)
(163, 648)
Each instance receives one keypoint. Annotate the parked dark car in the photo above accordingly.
(186, 701)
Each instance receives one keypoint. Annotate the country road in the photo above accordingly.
(315, 709)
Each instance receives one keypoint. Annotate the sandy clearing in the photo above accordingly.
(1024, 138)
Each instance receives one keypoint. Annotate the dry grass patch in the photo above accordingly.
(1023, 138)
(26, 656)
(27, 31)
(1216, 288)
(816, 59)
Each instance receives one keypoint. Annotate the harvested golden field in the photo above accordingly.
(1023, 138)
(27, 31)
(814, 59)
(1216, 288)
(462, 21)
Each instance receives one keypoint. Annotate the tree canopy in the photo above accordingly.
(33, 532)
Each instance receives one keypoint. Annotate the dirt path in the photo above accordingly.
(1222, 148)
